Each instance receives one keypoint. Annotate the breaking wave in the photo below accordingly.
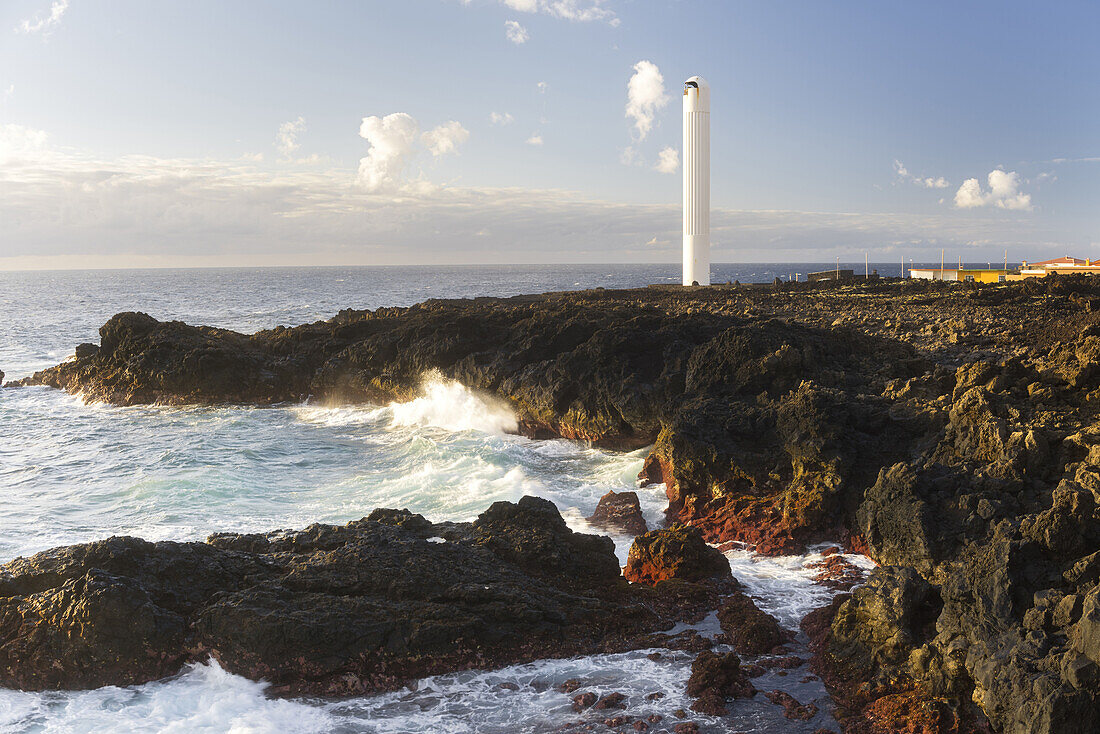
(452, 406)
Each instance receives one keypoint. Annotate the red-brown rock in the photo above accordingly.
(676, 553)
(792, 709)
(837, 573)
(716, 678)
(584, 701)
(611, 701)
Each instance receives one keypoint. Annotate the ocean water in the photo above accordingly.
(72, 472)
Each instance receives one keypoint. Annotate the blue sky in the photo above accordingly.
(232, 133)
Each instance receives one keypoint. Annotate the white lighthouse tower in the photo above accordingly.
(696, 181)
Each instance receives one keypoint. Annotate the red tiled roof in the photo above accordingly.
(1067, 260)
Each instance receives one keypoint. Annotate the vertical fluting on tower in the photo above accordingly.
(696, 181)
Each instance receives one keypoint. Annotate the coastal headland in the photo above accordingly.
(948, 431)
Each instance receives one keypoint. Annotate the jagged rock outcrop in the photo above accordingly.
(749, 629)
(754, 419)
(715, 678)
(678, 553)
(951, 430)
(331, 610)
(620, 512)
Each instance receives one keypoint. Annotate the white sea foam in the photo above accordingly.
(203, 699)
(72, 473)
(83, 472)
(476, 701)
(454, 407)
(206, 699)
(784, 586)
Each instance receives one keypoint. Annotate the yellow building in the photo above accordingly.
(970, 275)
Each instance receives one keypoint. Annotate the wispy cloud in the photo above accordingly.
(928, 182)
(286, 139)
(535, 139)
(501, 118)
(19, 144)
(445, 138)
(63, 207)
(44, 23)
(515, 32)
(582, 11)
(645, 95)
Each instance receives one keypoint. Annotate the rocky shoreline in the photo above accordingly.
(338, 610)
(948, 431)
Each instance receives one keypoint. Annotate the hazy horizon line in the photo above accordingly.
(672, 265)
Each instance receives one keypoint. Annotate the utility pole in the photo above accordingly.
(838, 268)
(866, 267)
(941, 263)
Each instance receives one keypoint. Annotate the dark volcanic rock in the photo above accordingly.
(748, 629)
(329, 609)
(885, 619)
(584, 701)
(621, 512)
(952, 431)
(751, 417)
(716, 678)
(792, 709)
(678, 553)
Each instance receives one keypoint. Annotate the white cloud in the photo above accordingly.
(579, 10)
(286, 140)
(535, 139)
(392, 143)
(645, 94)
(515, 32)
(1004, 187)
(926, 183)
(970, 195)
(542, 86)
(668, 160)
(18, 143)
(63, 207)
(501, 118)
(7, 93)
(41, 23)
(582, 11)
(1004, 193)
(445, 138)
